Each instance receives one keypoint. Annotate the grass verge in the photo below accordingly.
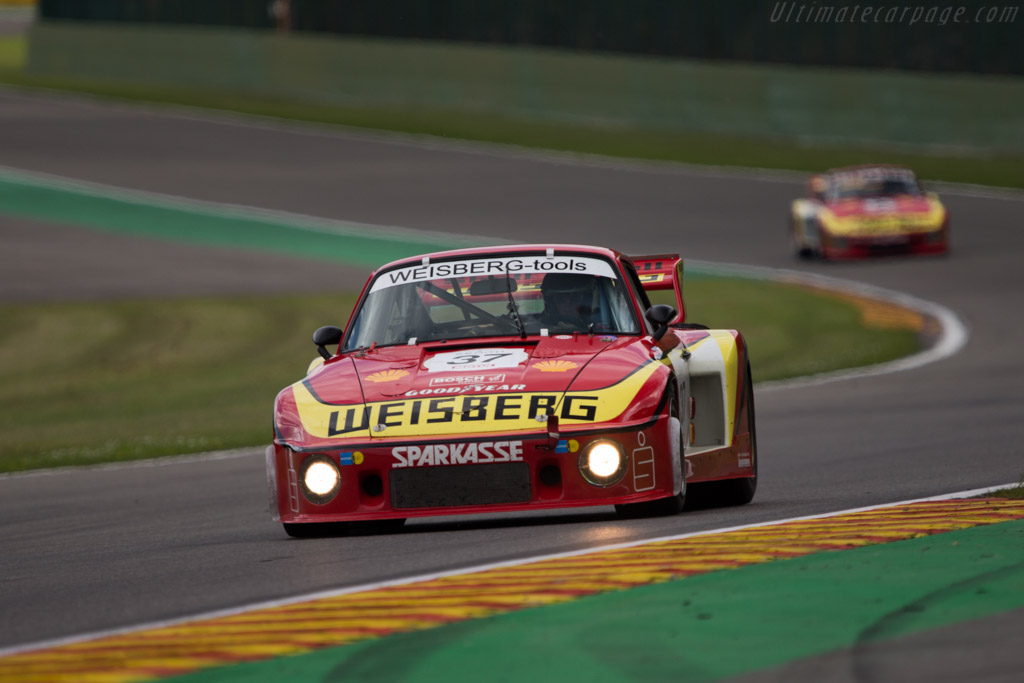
(117, 381)
(1012, 493)
(12, 53)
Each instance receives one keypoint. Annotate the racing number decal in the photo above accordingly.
(478, 359)
(468, 357)
(879, 205)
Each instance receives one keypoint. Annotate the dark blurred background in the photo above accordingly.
(943, 36)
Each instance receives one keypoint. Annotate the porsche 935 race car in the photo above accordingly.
(513, 378)
(862, 211)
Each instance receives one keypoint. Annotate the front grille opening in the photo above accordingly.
(460, 485)
(549, 480)
(888, 249)
(372, 486)
(551, 475)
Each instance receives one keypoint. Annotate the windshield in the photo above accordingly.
(500, 296)
(873, 183)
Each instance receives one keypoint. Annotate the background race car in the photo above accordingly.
(513, 378)
(863, 211)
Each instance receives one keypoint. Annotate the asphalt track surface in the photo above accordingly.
(96, 549)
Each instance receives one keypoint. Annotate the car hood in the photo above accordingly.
(883, 215)
(427, 390)
(852, 208)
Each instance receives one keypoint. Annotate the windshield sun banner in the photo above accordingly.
(494, 266)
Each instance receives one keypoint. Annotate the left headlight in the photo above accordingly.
(602, 462)
(320, 479)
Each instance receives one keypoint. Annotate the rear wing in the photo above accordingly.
(662, 271)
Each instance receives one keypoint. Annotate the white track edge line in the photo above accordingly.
(952, 336)
(476, 569)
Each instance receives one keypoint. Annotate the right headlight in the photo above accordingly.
(602, 462)
(320, 479)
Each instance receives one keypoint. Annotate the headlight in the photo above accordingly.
(602, 462)
(320, 479)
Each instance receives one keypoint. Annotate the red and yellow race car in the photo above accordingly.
(513, 378)
(861, 211)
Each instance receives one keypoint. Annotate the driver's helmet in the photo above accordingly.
(567, 293)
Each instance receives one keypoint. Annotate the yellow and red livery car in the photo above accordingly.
(862, 211)
(513, 378)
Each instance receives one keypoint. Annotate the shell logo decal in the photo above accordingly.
(387, 376)
(555, 365)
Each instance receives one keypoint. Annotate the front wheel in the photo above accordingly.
(803, 250)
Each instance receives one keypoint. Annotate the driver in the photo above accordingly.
(568, 300)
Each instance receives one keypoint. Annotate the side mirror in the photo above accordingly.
(328, 334)
(660, 316)
(816, 187)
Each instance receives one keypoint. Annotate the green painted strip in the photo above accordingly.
(215, 225)
(701, 628)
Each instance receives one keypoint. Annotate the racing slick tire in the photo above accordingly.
(663, 506)
(803, 251)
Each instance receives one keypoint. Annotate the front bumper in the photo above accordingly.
(835, 247)
(493, 473)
